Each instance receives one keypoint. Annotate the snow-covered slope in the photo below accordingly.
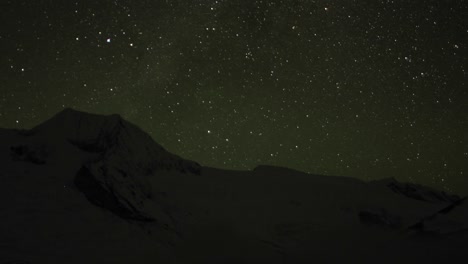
(452, 220)
(83, 188)
(125, 157)
(82, 178)
(416, 191)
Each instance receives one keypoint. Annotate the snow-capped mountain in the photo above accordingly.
(84, 188)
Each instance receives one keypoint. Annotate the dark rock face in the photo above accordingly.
(87, 146)
(454, 205)
(421, 193)
(449, 220)
(379, 218)
(105, 196)
(33, 154)
(178, 165)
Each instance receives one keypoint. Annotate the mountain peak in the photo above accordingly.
(69, 119)
(127, 157)
(106, 134)
(74, 113)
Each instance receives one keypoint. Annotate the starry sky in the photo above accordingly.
(362, 88)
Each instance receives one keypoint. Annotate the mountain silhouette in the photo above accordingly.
(86, 188)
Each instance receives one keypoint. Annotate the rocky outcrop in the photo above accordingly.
(421, 193)
(379, 217)
(105, 195)
(32, 154)
(451, 220)
(416, 191)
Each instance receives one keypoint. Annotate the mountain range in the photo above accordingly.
(86, 188)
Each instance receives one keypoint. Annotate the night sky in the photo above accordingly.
(368, 89)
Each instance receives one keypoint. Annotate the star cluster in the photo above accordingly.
(368, 89)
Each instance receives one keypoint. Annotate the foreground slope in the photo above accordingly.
(96, 189)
